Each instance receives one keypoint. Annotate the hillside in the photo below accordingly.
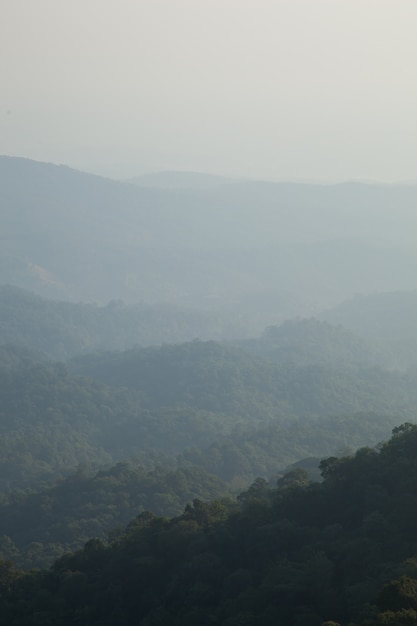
(64, 329)
(52, 421)
(37, 527)
(300, 554)
(310, 341)
(205, 404)
(261, 252)
(217, 377)
(199, 420)
(389, 319)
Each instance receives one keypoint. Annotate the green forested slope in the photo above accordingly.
(52, 421)
(177, 398)
(314, 342)
(302, 554)
(42, 523)
(186, 413)
(217, 377)
(37, 527)
(268, 449)
(64, 329)
(381, 330)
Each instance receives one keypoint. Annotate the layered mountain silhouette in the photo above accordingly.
(266, 251)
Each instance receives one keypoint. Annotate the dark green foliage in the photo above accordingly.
(36, 528)
(53, 422)
(398, 594)
(266, 449)
(234, 416)
(313, 554)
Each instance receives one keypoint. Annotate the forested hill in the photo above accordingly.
(210, 405)
(217, 377)
(38, 526)
(314, 342)
(63, 329)
(56, 426)
(197, 420)
(302, 554)
(111, 412)
(389, 318)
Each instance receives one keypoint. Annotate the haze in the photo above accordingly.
(282, 90)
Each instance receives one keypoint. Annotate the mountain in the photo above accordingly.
(180, 180)
(201, 436)
(315, 342)
(389, 319)
(259, 252)
(200, 403)
(215, 377)
(64, 329)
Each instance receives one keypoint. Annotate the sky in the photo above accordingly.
(317, 90)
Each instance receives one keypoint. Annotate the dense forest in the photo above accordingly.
(88, 444)
(184, 399)
(38, 526)
(300, 553)
(124, 482)
(64, 329)
(364, 331)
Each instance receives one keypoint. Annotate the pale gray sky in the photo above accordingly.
(304, 89)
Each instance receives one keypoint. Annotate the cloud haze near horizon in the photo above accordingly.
(286, 89)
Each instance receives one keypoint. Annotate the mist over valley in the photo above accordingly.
(195, 354)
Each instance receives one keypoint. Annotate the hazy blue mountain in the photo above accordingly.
(257, 250)
(180, 180)
(314, 342)
(64, 329)
(388, 318)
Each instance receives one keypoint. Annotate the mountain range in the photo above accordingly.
(257, 251)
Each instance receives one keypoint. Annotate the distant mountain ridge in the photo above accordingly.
(267, 251)
(389, 318)
(314, 342)
(180, 180)
(62, 330)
